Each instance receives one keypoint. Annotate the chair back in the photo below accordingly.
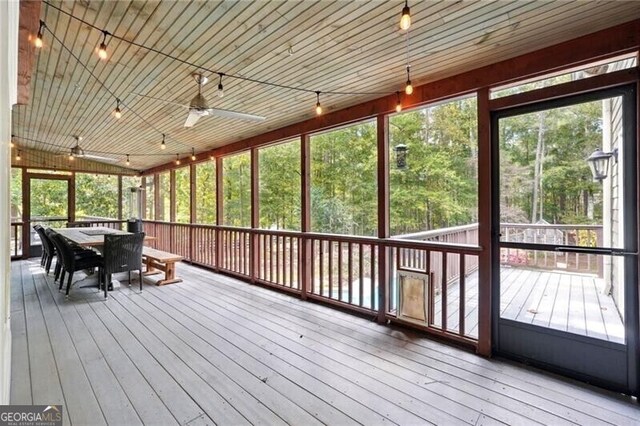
(47, 245)
(123, 253)
(65, 252)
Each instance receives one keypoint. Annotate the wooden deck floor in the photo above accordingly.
(559, 300)
(213, 350)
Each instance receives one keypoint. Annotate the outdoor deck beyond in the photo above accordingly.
(216, 350)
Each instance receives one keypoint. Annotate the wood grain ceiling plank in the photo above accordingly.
(285, 107)
(95, 108)
(51, 117)
(551, 39)
(169, 62)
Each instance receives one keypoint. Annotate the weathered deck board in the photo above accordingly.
(214, 349)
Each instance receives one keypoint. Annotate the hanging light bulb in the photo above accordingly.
(398, 103)
(193, 155)
(128, 162)
(318, 106)
(18, 156)
(116, 112)
(71, 155)
(163, 145)
(220, 88)
(38, 41)
(211, 157)
(13, 144)
(102, 50)
(408, 89)
(177, 160)
(405, 19)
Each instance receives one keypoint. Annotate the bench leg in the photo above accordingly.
(169, 275)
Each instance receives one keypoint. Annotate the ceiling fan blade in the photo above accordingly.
(235, 114)
(192, 118)
(161, 100)
(98, 158)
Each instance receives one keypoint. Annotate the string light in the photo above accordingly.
(318, 106)
(38, 41)
(102, 50)
(211, 157)
(200, 67)
(405, 19)
(163, 145)
(408, 89)
(13, 144)
(116, 112)
(18, 156)
(128, 162)
(71, 155)
(193, 155)
(220, 88)
(177, 159)
(398, 103)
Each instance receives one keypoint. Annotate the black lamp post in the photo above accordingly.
(401, 156)
(599, 163)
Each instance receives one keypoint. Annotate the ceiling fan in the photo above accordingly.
(78, 151)
(198, 107)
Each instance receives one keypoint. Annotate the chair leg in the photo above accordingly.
(129, 278)
(140, 276)
(48, 265)
(56, 271)
(62, 274)
(69, 283)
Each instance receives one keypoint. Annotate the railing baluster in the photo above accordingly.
(350, 273)
(462, 299)
(330, 272)
(443, 291)
(339, 270)
(361, 272)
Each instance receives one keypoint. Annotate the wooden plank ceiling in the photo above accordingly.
(320, 45)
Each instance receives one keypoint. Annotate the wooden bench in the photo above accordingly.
(160, 261)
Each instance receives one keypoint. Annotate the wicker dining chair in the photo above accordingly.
(48, 250)
(122, 253)
(72, 262)
(78, 252)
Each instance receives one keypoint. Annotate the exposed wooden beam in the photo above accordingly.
(28, 29)
(610, 42)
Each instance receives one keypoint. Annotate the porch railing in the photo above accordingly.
(340, 270)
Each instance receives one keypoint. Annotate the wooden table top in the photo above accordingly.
(78, 236)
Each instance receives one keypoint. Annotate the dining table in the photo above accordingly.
(93, 237)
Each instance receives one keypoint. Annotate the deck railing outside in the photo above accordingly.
(16, 240)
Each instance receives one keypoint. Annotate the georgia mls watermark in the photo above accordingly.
(30, 415)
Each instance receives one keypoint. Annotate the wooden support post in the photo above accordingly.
(119, 197)
(143, 185)
(485, 227)
(156, 197)
(383, 215)
(172, 208)
(71, 198)
(254, 246)
(26, 214)
(305, 220)
(219, 212)
(192, 209)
